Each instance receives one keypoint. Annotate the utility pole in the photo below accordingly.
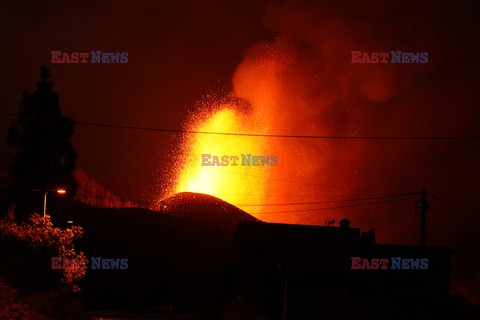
(421, 208)
(285, 298)
(283, 271)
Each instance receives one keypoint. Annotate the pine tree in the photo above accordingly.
(46, 158)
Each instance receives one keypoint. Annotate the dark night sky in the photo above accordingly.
(182, 51)
(179, 51)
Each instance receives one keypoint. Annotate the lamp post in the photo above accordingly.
(59, 191)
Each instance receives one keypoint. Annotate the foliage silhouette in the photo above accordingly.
(39, 232)
(46, 158)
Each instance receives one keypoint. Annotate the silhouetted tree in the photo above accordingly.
(46, 158)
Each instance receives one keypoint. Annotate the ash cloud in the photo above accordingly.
(303, 83)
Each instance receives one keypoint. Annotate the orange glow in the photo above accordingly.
(229, 183)
(61, 191)
(268, 97)
(257, 83)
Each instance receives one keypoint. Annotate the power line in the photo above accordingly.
(372, 138)
(336, 207)
(455, 204)
(227, 172)
(158, 158)
(115, 147)
(462, 239)
(318, 195)
(393, 220)
(329, 201)
(475, 214)
(431, 228)
(281, 135)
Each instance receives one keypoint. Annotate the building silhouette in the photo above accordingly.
(289, 271)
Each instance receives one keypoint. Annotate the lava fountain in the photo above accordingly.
(268, 97)
(252, 107)
(234, 184)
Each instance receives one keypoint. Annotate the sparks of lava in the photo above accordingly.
(234, 184)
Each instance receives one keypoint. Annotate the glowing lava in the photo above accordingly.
(234, 184)
(268, 97)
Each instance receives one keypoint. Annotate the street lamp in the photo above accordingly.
(60, 191)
